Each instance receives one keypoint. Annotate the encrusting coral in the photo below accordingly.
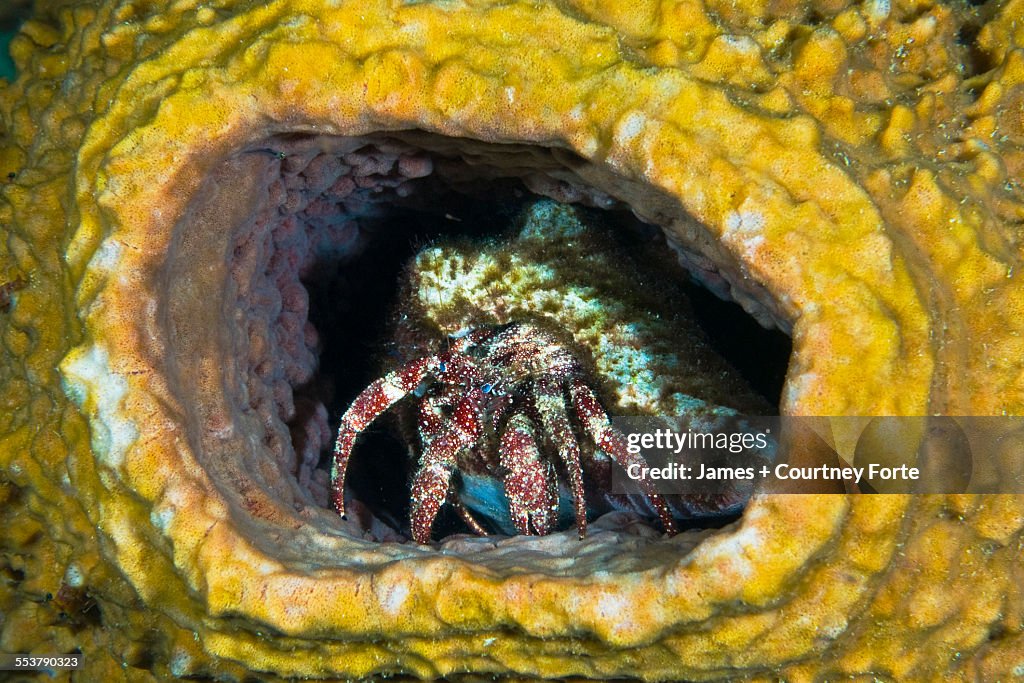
(173, 170)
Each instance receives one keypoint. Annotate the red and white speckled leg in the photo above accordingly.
(609, 439)
(530, 482)
(432, 479)
(550, 403)
(431, 424)
(432, 418)
(367, 406)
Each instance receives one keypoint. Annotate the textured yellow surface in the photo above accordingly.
(859, 163)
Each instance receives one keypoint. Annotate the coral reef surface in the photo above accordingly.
(182, 184)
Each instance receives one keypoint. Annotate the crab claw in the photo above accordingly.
(529, 482)
(367, 406)
(429, 491)
(433, 478)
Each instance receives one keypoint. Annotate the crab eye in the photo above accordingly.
(486, 388)
(442, 366)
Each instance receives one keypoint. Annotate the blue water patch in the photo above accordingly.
(12, 14)
(6, 63)
(485, 497)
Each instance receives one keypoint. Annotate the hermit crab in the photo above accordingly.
(510, 351)
(515, 381)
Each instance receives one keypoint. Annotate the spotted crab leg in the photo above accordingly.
(433, 478)
(530, 482)
(367, 406)
(431, 424)
(551, 407)
(611, 441)
(431, 420)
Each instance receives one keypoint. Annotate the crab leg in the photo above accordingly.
(367, 406)
(430, 485)
(431, 424)
(611, 441)
(551, 407)
(475, 526)
(530, 482)
(431, 420)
